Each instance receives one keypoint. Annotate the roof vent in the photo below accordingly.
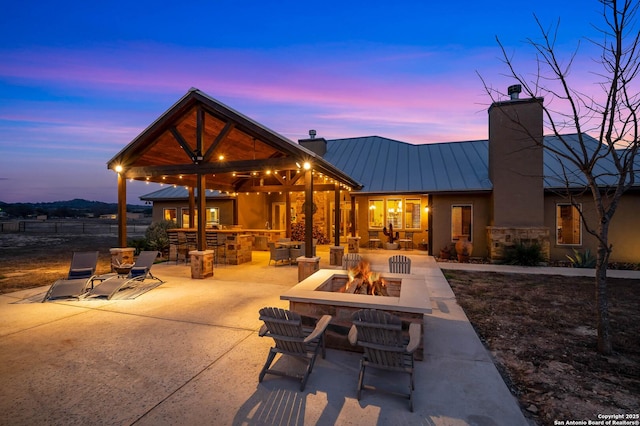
(312, 134)
(514, 91)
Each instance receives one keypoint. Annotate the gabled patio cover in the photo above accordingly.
(201, 143)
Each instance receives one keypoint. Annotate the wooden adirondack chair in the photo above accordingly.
(291, 338)
(380, 335)
(351, 260)
(400, 264)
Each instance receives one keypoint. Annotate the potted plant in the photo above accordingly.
(463, 249)
(390, 245)
(446, 252)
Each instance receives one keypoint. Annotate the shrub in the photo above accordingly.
(156, 235)
(524, 254)
(582, 260)
(138, 244)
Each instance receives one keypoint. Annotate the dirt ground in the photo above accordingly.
(32, 260)
(541, 332)
(540, 329)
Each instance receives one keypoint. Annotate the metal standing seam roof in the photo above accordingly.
(179, 193)
(389, 166)
(385, 165)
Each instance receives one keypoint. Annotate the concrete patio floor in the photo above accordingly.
(188, 352)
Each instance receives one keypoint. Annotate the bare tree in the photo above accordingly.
(609, 117)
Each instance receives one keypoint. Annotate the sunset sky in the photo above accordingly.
(80, 80)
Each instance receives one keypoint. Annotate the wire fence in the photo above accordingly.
(94, 227)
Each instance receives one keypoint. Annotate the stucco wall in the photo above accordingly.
(441, 221)
(624, 234)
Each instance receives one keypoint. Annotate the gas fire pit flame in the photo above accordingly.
(363, 281)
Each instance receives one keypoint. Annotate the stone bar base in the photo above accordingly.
(307, 266)
(335, 255)
(120, 256)
(239, 249)
(201, 263)
(500, 238)
(354, 244)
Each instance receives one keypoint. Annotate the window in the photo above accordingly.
(376, 213)
(412, 213)
(568, 225)
(461, 226)
(394, 213)
(185, 217)
(170, 215)
(213, 216)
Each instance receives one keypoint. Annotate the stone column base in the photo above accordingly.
(335, 255)
(307, 266)
(201, 263)
(121, 255)
(353, 244)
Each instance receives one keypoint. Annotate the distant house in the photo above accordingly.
(493, 192)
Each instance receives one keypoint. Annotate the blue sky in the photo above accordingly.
(80, 80)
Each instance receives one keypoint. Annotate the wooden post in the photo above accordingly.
(308, 213)
(287, 207)
(353, 216)
(202, 216)
(336, 217)
(122, 210)
(192, 208)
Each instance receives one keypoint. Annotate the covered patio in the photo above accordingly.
(202, 144)
(188, 352)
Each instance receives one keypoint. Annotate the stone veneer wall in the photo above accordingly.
(499, 237)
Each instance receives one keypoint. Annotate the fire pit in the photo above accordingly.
(319, 294)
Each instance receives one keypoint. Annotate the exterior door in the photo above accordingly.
(279, 215)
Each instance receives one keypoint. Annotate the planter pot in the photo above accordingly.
(391, 246)
(463, 258)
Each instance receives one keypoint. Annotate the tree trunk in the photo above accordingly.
(602, 298)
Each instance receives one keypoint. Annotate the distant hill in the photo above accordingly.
(64, 209)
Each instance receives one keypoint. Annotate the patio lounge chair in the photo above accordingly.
(291, 338)
(81, 273)
(380, 335)
(400, 264)
(112, 283)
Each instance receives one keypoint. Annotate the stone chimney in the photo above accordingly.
(313, 144)
(516, 171)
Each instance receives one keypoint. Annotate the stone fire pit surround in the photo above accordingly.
(308, 299)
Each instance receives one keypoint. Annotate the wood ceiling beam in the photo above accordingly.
(209, 168)
(183, 143)
(229, 126)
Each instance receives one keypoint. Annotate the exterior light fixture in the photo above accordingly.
(221, 157)
(119, 168)
(307, 165)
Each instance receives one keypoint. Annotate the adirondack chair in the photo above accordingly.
(350, 260)
(291, 338)
(380, 335)
(399, 264)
